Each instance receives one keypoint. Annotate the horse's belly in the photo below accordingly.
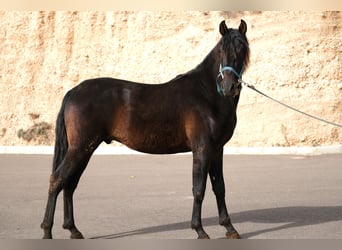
(158, 142)
(149, 129)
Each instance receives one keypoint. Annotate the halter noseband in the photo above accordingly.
(231, 69)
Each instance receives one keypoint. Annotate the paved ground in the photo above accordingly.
(150, 197)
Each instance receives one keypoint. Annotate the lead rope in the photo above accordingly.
(288, 106)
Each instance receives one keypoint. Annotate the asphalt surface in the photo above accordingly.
(149, 197)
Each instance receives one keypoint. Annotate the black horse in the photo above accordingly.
(194, 112)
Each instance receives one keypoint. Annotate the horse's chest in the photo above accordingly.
(222, 129)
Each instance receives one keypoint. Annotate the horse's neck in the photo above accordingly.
(209, 67)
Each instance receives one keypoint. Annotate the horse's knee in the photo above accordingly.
(198, 195)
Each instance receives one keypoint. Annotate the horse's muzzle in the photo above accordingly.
(230, 88)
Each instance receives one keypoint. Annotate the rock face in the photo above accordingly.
(295, 57)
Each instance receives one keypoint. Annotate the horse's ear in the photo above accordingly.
(223, 28)
(243, 27)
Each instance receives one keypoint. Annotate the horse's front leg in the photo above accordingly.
(199, 180)
(217, 181)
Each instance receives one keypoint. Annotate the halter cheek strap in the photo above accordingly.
(220, 74)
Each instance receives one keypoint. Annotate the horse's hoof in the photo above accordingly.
(47, 236)
(77, 235)
(204, 237)
(233, 235)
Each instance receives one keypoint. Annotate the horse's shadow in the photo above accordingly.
(291, 216)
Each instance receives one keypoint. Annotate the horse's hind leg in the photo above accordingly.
(54, 190)
(65, 177)
(57, 182)
(69, 222)
(80, 158)
(217, 181)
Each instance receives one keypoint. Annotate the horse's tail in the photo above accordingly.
(61, 142)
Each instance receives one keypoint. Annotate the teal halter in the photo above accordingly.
(227, 68)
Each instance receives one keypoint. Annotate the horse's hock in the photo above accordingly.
(295, 57)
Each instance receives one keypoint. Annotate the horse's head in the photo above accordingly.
(233, 59)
